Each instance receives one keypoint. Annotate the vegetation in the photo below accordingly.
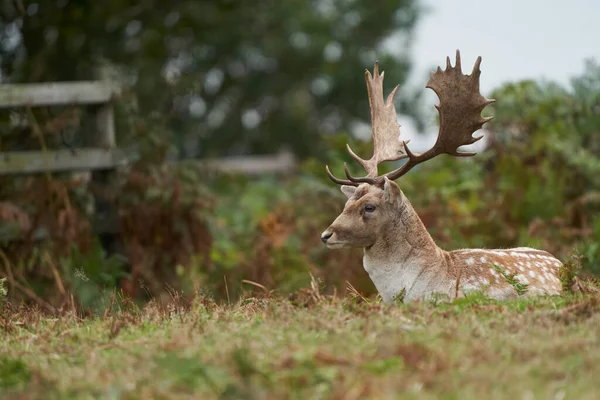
(535, 185)
(213, 78)
(233, 79)
(181, 228)
(308, 346)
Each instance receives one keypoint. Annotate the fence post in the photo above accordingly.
(103, 182)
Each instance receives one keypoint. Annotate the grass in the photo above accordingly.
(311, 346)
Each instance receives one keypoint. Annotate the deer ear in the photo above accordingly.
(391, 191)
(348, 190)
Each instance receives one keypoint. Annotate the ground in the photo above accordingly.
(309, 346)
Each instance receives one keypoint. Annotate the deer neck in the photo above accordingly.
(406, 259)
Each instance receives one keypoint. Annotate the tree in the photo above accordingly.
(214, 77)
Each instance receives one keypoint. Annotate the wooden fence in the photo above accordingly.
(99, 96)
(100, 159)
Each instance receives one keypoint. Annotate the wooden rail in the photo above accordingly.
(30, 162)
(57, 93)
(91, 159)
(280, 163)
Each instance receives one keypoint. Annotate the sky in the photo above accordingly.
(517, 40)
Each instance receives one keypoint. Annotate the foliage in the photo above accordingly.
(90, 274)
(548, 150)
(162, 225)
(186, 229)
(183, 228)
(272, 237)
(216, 77)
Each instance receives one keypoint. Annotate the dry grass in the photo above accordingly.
(309, 346)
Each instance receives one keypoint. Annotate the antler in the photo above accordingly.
(459, 108)
(386, 131)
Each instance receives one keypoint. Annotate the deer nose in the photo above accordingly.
(325, 236)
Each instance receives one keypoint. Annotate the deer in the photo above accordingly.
(399, 255)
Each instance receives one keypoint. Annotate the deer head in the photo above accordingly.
(375, 201)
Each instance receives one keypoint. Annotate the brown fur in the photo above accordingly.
(400, 255)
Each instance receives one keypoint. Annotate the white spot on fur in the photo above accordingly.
(501, 293)
(470, 261)
(483, 259)
(532, 274)
(522, 279)
(470, 286)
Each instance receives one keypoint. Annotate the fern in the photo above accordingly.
(511, 279)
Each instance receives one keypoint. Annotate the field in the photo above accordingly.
(307, 346)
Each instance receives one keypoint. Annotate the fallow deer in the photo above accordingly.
(399, 254)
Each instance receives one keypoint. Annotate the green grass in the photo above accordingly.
(311, 347)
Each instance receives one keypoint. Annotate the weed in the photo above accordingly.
(520, 288)
(569, 271)
(3, 290)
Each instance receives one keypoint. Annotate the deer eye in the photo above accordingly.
(369, 208)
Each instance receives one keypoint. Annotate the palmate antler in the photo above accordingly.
(459, 108)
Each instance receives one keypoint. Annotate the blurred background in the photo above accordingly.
(228, 112)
